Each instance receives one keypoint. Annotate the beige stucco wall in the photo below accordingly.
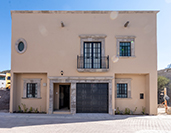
(138, 85)
(51, 48)
(55, 48)
(31, 102)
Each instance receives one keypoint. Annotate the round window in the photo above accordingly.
(20, 45)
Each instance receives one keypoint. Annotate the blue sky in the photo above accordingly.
(163, 20)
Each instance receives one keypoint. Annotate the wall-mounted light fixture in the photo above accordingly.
(62, 24)
(126, 24)
(62, 73)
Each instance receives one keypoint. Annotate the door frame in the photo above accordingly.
(72, 81)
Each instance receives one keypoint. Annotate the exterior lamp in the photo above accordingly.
(126, 24)
(62, 24)
(62, 72)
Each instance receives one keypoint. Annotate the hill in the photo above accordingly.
(6, 71)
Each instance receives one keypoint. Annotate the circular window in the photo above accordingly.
(20, 45)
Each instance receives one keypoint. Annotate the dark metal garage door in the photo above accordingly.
(92, 98)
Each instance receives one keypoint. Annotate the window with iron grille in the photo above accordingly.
(92, 55)
(31, 90)
(125, 49)
(122, 90)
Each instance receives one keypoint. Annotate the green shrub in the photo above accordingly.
(36, 110)
(30, 110)
(117, 110)
(143, 110)
(127, 111)
(24, 108)
(121, 112)
(19, 108)
(135, 110)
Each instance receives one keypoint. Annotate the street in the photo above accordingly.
(93, 123)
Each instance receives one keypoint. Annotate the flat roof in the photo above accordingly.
(1, 74)
(79, 12)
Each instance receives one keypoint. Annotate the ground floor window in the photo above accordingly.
(122, 90)
(32, 90)
(123, 87)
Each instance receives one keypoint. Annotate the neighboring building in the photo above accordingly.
(8, 80)
(66, 61)
(2, 81)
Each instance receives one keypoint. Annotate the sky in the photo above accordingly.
(163, 20)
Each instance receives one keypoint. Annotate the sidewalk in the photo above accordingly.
(97, 116)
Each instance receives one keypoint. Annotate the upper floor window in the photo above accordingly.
(92, 55)
(8, 78)
(2, 77)
(21, 45)
(31, 90)
(125, 46)
(125, 49)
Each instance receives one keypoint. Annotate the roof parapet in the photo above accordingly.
(80, 12)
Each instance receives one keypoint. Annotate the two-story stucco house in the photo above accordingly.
(84, 61)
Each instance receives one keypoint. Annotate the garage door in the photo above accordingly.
(92, 98)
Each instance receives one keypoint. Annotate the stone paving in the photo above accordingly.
(84, 123)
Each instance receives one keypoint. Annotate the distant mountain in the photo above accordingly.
(6, 71)
(165, 72)
(168, 66)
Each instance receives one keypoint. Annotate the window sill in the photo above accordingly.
(126, 57)
(31, 98)
(123, 98)
(92, 70)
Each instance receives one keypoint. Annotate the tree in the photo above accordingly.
(168, 66)
(162, 83)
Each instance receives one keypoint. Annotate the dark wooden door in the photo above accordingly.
(64, 96)
(92, 98)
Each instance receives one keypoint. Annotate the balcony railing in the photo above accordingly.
(92, 62)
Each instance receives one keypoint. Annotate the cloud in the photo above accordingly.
(168, 1)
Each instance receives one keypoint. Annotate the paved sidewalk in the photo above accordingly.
(161, 111)
(84, 123)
